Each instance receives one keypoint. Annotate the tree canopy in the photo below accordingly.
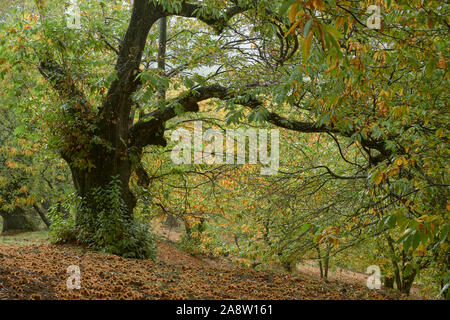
(363, 114)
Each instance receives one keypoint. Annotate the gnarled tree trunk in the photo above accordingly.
(113, 144)
(107, 168)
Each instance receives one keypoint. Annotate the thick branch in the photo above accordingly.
(151, 132)
(117, 105)
(118, 102)
(144, 132)
(190, 10)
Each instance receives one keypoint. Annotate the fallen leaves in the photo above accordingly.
(39, 272)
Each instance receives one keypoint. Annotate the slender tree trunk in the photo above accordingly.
(394, 261)
(42, 215)
(18, 220)
(187, 228)
(408, 282)
(327, 263)
(402, 281)
(162, 48)
(389, 283)
(446, 266)
(171, 221)
(319, 259)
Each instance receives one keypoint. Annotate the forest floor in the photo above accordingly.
(31, 268)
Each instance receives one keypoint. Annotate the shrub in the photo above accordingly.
(104, 226)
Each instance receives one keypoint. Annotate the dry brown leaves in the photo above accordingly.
(39, 272)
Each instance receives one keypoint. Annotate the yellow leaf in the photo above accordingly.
(307, 42)
(318, 4)
(378, 178)
(405, 162)
(442, 63)
(293, 12)
(12, 152)
(375, 56)
(292, 29)
(393, 172)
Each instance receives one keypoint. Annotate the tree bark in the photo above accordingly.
(108, 166)
(326, 264)
(162, 48)
(389, 283)
(171, 221)
(402, 281)
(42, 215)
(319, 260)
(407, 283)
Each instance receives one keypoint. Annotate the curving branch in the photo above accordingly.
(151, 132)
(191, 10)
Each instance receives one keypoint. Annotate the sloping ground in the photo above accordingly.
(39, 272)
(310, 268)
(307, 268)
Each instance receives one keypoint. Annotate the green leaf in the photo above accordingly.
(307, 27)
(390, 221)
(416, 240)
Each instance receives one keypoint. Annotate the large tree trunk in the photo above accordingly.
(105, 220)
(101, 147)
(108, 167)
(18, 220)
